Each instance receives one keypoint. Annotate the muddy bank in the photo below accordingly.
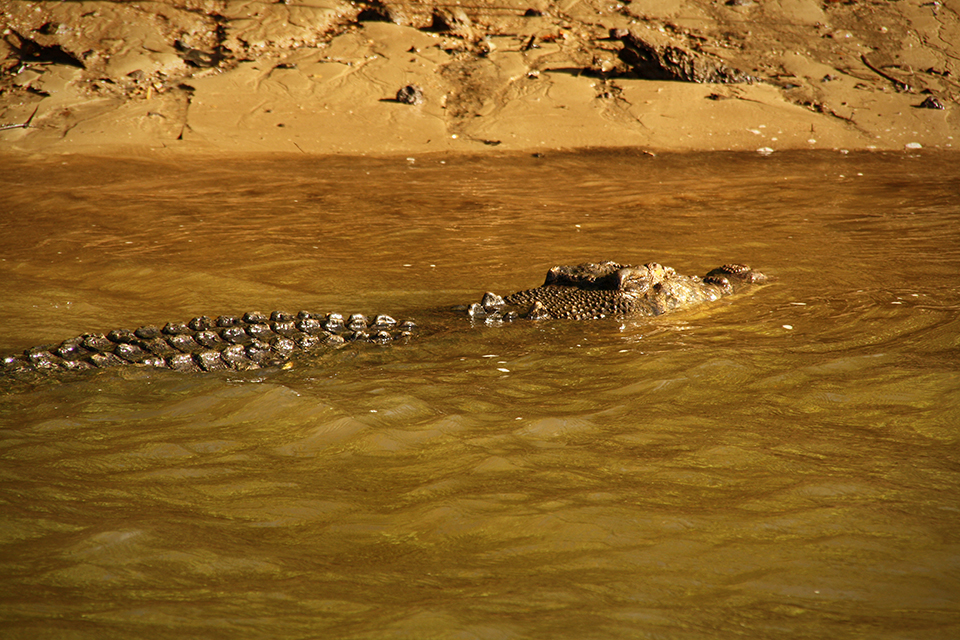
(323, 77)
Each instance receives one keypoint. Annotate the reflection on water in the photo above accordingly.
(779, 464)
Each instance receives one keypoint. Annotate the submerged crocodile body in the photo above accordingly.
(580, 292)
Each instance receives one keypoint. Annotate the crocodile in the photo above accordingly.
(587, 291)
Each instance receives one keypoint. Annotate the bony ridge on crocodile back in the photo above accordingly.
(586, 291)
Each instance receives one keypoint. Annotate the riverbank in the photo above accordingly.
(325, 77)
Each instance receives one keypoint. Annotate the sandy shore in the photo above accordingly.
(327, 77)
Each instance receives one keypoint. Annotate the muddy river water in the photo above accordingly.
(784, 463)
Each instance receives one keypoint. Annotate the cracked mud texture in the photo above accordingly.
(318, 76)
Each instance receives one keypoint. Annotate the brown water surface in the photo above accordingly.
(785, 463)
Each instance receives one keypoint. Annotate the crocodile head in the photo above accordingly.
(608, 276)
(594, 290)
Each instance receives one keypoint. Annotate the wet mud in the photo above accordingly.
(400, 77)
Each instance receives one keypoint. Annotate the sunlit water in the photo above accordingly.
(784, 463)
